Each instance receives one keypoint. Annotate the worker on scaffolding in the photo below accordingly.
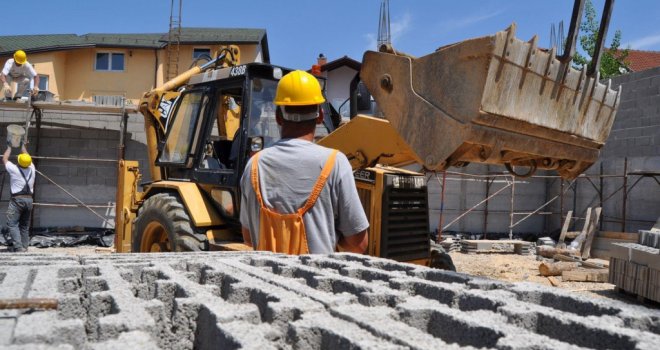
(21, 180)
(19, 70)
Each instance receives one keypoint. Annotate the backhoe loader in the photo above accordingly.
(494, 99)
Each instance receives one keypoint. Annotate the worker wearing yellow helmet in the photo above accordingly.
(20, 71)
(298, 197)
(21, 180)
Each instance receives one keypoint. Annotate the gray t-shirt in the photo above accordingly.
(287, 173)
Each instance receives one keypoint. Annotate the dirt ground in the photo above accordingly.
(525, 268)
(501, 266)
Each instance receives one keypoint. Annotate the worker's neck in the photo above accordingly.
(298, 134)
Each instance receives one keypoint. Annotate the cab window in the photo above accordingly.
(183, 126)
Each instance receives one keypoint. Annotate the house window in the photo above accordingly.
(197, 52)
(43, 82)
(109, 61)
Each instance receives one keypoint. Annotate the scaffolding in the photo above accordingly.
(35, 118)
(598, 181)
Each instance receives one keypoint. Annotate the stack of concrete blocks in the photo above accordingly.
(635, 267)
(258, 300)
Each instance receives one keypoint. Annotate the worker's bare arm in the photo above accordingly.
(3, 78)
(356, 243)
(36, 82)
(5, 156)
(247, 239)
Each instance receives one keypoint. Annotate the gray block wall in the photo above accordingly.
(67, 134)
(635, 140)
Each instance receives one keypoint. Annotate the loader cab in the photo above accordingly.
(218, 122)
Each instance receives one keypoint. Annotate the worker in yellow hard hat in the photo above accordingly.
(20, 71)
(21, 180)
(299, 197)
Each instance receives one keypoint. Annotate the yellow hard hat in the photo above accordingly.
(24, 160)
(20, 57)
(298, 88)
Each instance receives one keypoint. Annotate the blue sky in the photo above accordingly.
(298, 30)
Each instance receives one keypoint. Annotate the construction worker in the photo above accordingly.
(20, 205)
(299, 197)
(19, 70)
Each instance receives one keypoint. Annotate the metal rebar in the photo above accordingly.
(66, 205)
(476, 205)
(541, 207)
(75, 198)
(625, 193)
(32, 303)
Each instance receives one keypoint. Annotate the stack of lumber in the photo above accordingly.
(471, 246)
(635, 267)
(572, 268)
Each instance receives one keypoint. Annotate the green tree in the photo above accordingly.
(613, 60)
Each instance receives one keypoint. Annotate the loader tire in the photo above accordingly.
(440, 259)
(162, 225)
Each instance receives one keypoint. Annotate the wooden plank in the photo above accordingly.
(554, 281)
(592, 265)
(628, 236)
(599, 261)
(564, 228)
(585, 275)
(593, 224)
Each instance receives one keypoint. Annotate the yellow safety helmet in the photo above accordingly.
(20, 57)
(298, 88)
(24, 160)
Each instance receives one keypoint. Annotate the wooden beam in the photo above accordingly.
(585, 275)
(554, 281)
(593, 225)
(628, 236)
(564, 228)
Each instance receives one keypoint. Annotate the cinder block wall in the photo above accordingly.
(635, 139)
(66, 134)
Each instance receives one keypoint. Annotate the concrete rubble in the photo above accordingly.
(269, 301)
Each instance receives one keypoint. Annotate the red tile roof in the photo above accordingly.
(641, 60)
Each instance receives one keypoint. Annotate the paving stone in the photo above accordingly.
(258, 300)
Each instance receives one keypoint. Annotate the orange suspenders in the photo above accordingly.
(285, 233)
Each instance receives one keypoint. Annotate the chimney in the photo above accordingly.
(321, 60)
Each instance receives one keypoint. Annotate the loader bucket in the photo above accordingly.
(495, 100)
